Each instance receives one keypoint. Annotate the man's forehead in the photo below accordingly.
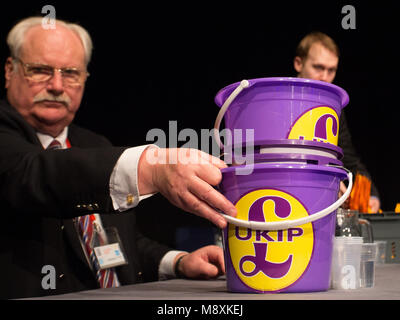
(321, 55)
(60, 44)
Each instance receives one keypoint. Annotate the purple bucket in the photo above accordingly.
(294, 259)
(282, 108)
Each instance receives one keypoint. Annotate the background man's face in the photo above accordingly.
(320, 64)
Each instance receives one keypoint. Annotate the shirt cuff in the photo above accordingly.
(124, 190)
(166, 267)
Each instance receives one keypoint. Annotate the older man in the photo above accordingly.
(52, 199)
(317, 58)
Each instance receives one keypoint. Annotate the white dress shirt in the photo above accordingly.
(124, 189)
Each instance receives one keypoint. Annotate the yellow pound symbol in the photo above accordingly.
(317, 124)
(270, 260)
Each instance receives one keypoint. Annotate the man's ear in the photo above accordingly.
(9, 69)
(298, 64)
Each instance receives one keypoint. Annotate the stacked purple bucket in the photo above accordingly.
(282, 238)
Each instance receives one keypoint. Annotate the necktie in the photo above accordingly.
(54, 145)
(107, 278)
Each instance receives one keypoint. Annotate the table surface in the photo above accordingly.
(387, 287)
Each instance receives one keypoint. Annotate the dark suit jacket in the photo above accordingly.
(351, 160)
(40, 192)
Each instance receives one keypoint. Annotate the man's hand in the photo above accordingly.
(204, 263)
(374, 202)
(186, 178)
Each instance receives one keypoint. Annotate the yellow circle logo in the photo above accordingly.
(317, 124)
(270, 260)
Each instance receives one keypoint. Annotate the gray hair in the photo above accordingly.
(15, 38)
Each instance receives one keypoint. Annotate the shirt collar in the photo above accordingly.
(45, 139)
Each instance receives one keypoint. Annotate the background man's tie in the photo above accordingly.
(107, 278)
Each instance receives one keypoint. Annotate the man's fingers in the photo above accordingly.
(204, 263)
(216, 257)
(189, 182)
(208, 158)
(191, 203)
(211, 196)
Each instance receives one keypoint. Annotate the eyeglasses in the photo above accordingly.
(41, 73)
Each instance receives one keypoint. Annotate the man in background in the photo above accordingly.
(317, 58)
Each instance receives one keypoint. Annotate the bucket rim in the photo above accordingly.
(296, 158)
(222, 94)
(287, 166)
(294, 143)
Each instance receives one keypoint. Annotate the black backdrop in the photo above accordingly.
(158, 62)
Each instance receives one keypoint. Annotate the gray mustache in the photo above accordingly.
(49, 97)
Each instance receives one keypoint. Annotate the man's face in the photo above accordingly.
(320, 64)
(59, 48)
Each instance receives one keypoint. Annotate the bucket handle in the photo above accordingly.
(243, 84)
(283, 225)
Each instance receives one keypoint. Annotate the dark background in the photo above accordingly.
(158, 62)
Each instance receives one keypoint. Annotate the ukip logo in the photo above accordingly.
(316, 124)
(270, 260)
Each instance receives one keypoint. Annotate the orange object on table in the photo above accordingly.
(359, 196)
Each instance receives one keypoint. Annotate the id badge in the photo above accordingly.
(108, 248)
